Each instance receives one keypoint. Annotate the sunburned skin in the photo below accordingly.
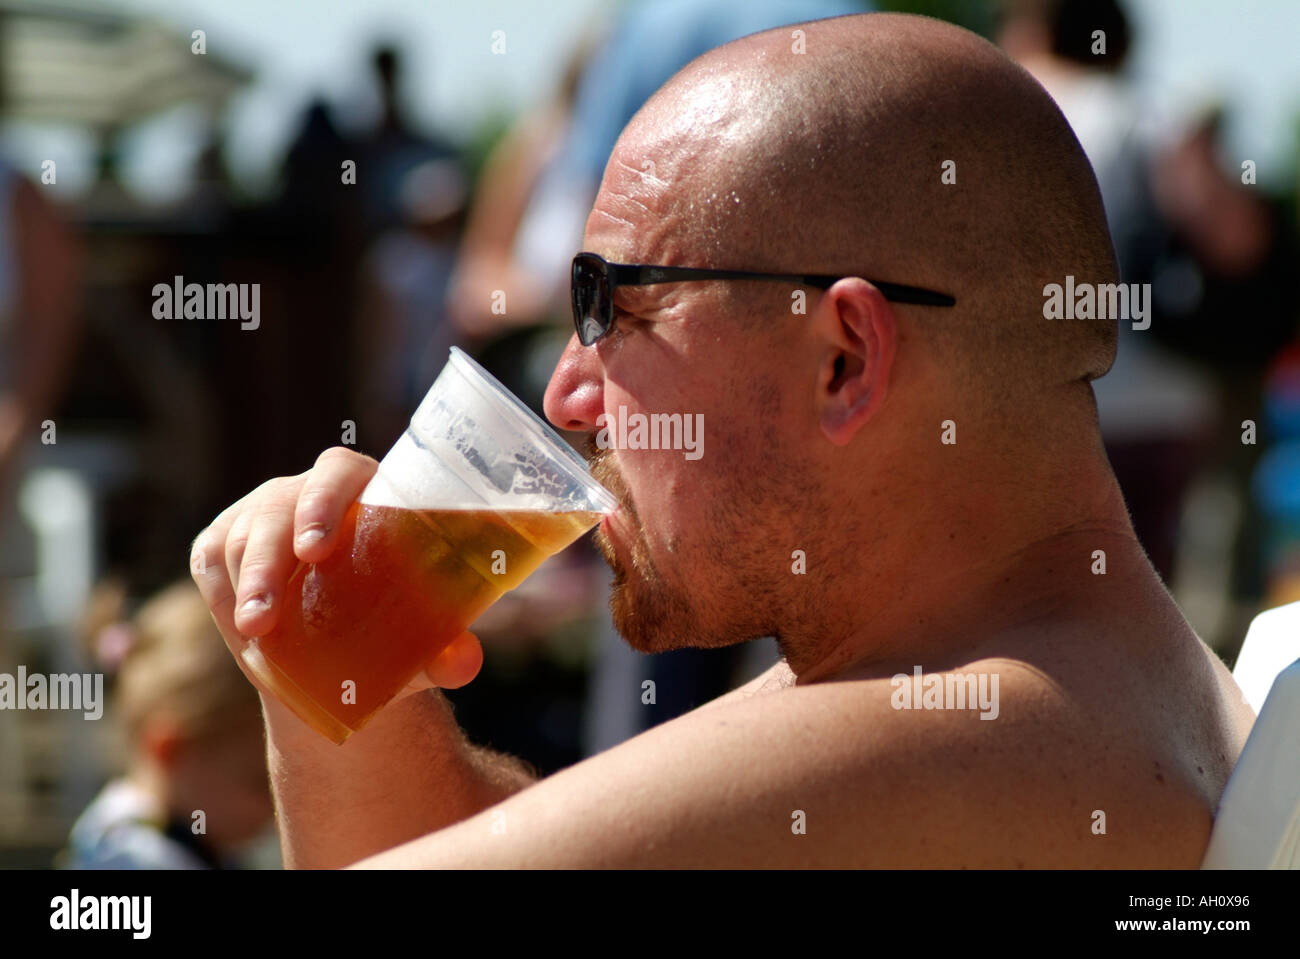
(887, 489)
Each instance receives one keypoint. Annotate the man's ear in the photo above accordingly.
(858, 332)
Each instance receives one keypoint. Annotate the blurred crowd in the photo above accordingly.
(122, 436)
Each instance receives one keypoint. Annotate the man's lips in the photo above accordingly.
(613, 528)
(612, 520)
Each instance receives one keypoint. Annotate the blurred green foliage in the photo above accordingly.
(977, 15)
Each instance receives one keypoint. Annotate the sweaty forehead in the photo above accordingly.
(668, 180)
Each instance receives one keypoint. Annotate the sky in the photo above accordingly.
(1187, 52)
(1240, 51)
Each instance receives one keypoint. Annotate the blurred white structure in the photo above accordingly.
(87, 63)
(58, 505)
(1257, 825)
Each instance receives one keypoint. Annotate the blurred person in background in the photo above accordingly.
(500, 303)
(1224, 283)
(319, 228)
(413, 193)
(1275, 484)
(393, 147)
(403, 334)
(193, 726)
(1209, 247)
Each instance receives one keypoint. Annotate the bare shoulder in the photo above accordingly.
(989, 765)
(776, 677)
(870, 771)
(1000, 762)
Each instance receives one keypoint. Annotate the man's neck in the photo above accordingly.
(972, 568)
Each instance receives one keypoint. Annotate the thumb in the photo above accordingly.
(457, 664)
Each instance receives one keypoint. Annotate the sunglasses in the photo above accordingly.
(595, 279)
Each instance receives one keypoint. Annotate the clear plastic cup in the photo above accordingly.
(470, 500)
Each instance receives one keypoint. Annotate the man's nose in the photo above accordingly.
(575, 396)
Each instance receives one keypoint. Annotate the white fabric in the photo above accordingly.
(1272, 644)
(123, 829)
(1257, 825)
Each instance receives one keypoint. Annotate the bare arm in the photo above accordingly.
(796, 777)
(409, 772)
(831, 775)
(414, 766)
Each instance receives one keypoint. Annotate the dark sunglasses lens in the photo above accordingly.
(590, 289)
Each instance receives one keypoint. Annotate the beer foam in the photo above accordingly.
(432, 473)
(410, 478)
(473, 445)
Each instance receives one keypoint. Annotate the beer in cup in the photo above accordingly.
(470, 500)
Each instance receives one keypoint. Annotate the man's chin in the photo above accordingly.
(649, 619)
(647, 614)
(636, 630)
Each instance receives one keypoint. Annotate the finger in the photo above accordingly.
(237, 543)
(213, 580)
(211, 575)
(238, 520)
(333, 485)
(208, 571)
(268, 560)
(458, 664)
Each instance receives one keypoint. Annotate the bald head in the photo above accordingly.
(824, 424)
(832, 160)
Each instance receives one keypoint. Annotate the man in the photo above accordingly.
(886, 488)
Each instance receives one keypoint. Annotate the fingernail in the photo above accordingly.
(310, 537)
(256, 604)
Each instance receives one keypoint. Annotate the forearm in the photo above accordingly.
(408, 773)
